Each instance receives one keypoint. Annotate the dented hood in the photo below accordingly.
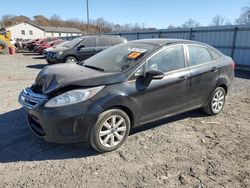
(54, 77)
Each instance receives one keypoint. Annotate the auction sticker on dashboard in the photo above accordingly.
(134, 55)
(139, 50)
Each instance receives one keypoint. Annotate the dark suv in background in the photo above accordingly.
(82, 48)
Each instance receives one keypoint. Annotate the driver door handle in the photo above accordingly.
(214, 69)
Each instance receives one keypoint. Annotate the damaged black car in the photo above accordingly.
(100, 99)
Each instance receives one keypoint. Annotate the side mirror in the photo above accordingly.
(143, 81)
(80, 47)
(154, 75)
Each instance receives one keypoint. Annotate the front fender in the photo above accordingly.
(113, 100)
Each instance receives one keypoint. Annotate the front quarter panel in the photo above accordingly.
(118, 96)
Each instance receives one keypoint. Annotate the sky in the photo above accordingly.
(153, 13)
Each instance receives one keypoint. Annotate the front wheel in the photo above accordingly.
(110, 131)
(217, 102)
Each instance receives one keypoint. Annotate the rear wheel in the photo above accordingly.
(217, 102)
(110, 131)
(71, 59)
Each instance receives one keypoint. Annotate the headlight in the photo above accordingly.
(73, 96)
(59, 53)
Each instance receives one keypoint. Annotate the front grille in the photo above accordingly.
(50, 54)
(31, 100)
(36, 88)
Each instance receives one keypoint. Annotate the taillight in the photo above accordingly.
(233, 64)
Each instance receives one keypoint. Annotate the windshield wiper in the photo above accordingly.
(93, 67)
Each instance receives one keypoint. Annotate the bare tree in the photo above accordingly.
(244, 17)
(56, 21)
(218, 20)
(41, 20)
(171, 26)
(116, 27)
(7, 20)
(100, 23)
(190, 23)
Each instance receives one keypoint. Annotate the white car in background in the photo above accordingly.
(13, 41)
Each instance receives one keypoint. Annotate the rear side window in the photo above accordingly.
(215, 54)
(103, 41)
(89, 42)
(116, 41)
(198, 55)
(168, 59)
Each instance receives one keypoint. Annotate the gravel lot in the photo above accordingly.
(189, 150)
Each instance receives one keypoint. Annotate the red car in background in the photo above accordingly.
(48, 45)
(30, 45)
(42, 41)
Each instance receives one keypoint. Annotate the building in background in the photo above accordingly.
(28, 30)
(61, 31)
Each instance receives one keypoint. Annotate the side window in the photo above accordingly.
(198, 55)
(104, 41)
(215, 54)
(23, 32)
(116, 41)
(89, 42)
(167, 60)
(137, 73)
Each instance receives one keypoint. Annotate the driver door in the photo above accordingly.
(170, 94)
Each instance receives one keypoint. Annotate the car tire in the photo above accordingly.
(110, 131)
(49, 62)
(4, 48)
(71, 59)
(216, 102)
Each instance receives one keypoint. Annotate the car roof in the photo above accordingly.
(161, 42)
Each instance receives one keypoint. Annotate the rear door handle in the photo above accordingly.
(182, 78)
(214, 69)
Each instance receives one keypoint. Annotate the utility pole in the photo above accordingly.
(87, 2)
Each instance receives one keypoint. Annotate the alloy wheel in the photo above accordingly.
(71, 60)
(112, 131)
(218, 101)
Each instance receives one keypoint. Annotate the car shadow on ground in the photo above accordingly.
(40, 57)
(37, 66)
(18, 144)
(191, 114)
(30, 54)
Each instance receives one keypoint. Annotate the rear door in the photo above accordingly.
(102, 43)
(204, 74)
(89, 49)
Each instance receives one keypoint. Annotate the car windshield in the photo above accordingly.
(120, 57)
(73, 42)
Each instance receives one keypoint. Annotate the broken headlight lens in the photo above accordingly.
(73, 96)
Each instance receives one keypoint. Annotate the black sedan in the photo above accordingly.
(99, 100)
